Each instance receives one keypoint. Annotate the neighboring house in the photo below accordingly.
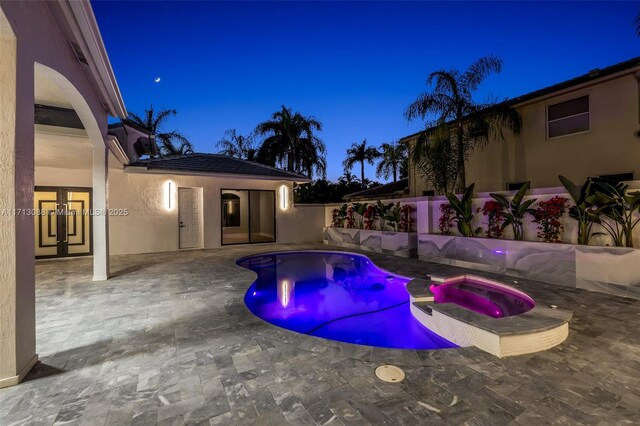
(58, 154)
(583, 127)
(398, 189)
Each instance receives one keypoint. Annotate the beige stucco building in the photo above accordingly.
(72, 185)
(584, 127)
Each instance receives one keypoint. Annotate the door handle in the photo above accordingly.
(65, 212)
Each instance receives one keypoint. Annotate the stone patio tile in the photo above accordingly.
(169, 341)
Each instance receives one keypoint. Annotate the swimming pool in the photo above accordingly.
(338, 296)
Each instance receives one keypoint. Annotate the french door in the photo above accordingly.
(248, 216)
(62, 220)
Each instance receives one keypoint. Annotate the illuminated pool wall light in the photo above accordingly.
(283, 193)
(169, 197)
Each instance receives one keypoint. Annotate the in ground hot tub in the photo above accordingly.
(482, 296)
(475, 311)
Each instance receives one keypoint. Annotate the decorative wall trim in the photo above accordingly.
(612, 270)
(403, 244)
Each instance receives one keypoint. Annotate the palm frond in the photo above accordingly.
(430, 103)
(479, 71)
(161, 117)
(136, 119)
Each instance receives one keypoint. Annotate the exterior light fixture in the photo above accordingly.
(168, 195)
(284, 197)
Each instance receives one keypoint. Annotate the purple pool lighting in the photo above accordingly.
(338, 296)
(483, 296)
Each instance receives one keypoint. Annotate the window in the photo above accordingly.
(618, 177)
(568, 117)
(514, 186)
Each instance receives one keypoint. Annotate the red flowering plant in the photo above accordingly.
(495, 218)
(351, 217)
(370, 217)
(406, 218)
(547, 216)
(338, 216)
(445, 223)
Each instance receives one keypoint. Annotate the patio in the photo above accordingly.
(168, 340)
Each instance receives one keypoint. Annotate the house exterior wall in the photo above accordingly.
(150, 227)
(610, 146)
(32, 40)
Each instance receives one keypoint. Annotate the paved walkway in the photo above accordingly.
(168, 340)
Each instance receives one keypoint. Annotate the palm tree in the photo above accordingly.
(171, 143)
(235, 145)
(360, 153)
(467, 124)
(393, 159)
(436, 160)
(290, 138)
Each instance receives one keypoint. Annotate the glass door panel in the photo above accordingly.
(78, 222)
(262, 214)
(45, 204)
(235, 216)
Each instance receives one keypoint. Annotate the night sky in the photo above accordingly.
(354, 66)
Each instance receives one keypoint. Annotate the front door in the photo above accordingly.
(190, 217)
(62, 221)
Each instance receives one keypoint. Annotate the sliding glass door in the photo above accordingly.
(248, 216)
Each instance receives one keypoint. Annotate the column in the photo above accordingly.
(101, 216)
(17, 251)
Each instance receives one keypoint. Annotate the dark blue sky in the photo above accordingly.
(354, 66)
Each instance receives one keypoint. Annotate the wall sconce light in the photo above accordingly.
(284, 197)
(168, 196)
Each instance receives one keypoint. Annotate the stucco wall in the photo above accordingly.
(34, 38)
(149, 227)
(611, 145)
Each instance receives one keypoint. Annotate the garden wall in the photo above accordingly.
(597, 267)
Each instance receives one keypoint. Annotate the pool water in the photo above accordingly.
(338, 296)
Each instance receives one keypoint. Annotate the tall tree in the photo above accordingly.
(360, 153)
(236, 145)
(290, 139)
(466, 123)
(393, 159)
(169, 142)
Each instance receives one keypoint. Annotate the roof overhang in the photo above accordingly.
(114, 145)
(630, 71)
(79, 20)
(145, 170)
